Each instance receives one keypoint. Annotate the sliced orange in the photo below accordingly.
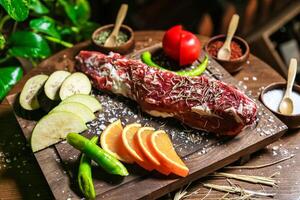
(163, 147)
(143, 137)
(111, 141)
(130, 144)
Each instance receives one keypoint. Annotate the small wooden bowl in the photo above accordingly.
(232, 66)
(292, 121)
(123, 48)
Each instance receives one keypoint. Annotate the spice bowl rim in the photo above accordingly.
(278, 85)
(234, 38)
(110, 26)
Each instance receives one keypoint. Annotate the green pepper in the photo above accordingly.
(146, 58)
(85, 180)
(109, 163)
(196, 71)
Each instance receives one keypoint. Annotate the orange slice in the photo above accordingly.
(163, 147)
(143, 138)
(111, 141)
(130, 144)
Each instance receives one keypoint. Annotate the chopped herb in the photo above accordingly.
(102, 37)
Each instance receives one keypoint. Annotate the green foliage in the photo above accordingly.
(78, 13)
(17, 9)
(2, 41)
(45, 25)
(38, 7)
(46, 32)
(9, 77)
(28, 45)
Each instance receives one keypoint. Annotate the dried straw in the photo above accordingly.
(237, 190)
(251, 179)
(260, 166)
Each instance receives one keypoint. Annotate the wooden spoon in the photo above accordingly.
(225, 51)
(111, 41)
(286, 106)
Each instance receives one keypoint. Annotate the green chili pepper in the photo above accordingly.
(196, 71)
(85, 180)
(109, 163)
(146, 58)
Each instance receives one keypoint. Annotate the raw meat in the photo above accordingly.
(200, 102)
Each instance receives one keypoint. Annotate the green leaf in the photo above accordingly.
(28, 45)
(79, 12)
(45, 25)
(38, 7)
(64, 30)
(2, 41)
(83, 11)
(88, 28)
(69, 9)
(9, 76)
(17, 9)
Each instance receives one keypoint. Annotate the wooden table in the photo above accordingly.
(21, 178)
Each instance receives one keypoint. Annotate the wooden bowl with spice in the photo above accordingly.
(125, 39)
(271, 97)
(239, 52)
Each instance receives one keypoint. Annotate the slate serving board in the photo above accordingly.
(202, 152)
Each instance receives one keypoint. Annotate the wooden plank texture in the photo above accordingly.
(209, 153)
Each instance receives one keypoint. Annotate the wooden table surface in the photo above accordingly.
(21, 178)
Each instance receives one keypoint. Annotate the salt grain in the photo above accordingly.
(275, 148)
(102, 126)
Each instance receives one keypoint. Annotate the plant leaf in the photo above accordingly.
(79, 12)
(9, 76)
(88, 28)
(28, 45)
(2, 41)
(45, 25)
(69, 9)
(17, 9)
(38, 7)
(83, 11)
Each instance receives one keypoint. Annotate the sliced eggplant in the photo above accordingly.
(53, 84)
(77, 83)
(53, 128)
(89, 101)
(77, 109)
(28, 98)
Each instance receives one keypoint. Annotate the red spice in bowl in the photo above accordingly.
(236, 50)
(234, 64)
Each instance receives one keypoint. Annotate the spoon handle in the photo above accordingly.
(120, 18)
(291, 76)
(231, 30)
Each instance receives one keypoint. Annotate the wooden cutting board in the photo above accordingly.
(202, 152)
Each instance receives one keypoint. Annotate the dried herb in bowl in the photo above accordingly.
(103, 35)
